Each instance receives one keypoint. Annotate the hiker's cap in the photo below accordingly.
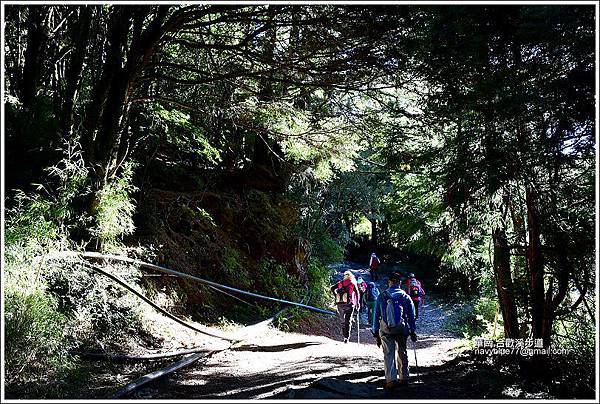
(395, 277)
(411, 275)
(373, 255)
(347, 273)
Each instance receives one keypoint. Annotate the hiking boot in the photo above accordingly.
(403, 382)
(390, 385)
(345, 340)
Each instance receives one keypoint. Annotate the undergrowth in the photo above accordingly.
(54, 306)
(476, 318)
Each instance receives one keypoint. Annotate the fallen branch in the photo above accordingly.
(160, 373)
(193, 358)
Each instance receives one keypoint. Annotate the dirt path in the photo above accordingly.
(315, 364)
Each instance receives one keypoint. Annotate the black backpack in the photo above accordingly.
(342, 295)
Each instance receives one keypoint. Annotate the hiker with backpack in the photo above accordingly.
(371, 295)
(373, 266)
(347, 300)
(362, 290)
(413, 287)
(393, 322)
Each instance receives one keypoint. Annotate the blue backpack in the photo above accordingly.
(393, 313)
(372, 292)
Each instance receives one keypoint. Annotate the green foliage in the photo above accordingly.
(204, 215)
(475, 319)
(331, 209)
(56, 210)
(436, 122)
(485, 309)
(316, 293)
(115, 208)
(30, 228)
(53, 306)
(43, 220)
(234, 267)
(231, 259)
(577, 335)
(35, 342)
(275, 279)
(290, 319)
(329, 142)
(94, 304)
(325, 248)
(362, 227)
(182, 133)
(416, 214)
(317, 281)
(270, 215)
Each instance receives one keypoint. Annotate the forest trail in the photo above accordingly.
(317, 364)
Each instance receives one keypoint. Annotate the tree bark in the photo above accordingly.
(79, 36)
(374, 233)
(106, 141)
(107, 98)
(267, 152)
(504, 283)
(32, 67)
(348, 223)
(541, 320)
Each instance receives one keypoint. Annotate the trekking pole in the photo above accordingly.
(416, 363)
(358, 326)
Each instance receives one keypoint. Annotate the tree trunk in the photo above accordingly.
(540, 318)
(504, 283)
(79, 36)
(108, 96)
(33, 55)
(267, 151)
(106, 140)
(348, 223)
(374, 234)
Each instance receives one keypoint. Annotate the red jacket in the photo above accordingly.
(374, 263)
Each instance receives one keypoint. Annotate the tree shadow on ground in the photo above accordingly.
(321, 378)
(452, 380)
(332, 377)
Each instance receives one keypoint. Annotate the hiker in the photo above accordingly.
(362, 288)
(393, 322)
(347, 301)
(373, 265)
(413, 287)
(371, 299)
